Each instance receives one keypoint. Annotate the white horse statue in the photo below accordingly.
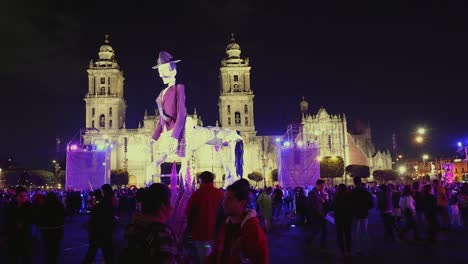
(177, 134)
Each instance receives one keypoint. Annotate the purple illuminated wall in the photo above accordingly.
(87, 169)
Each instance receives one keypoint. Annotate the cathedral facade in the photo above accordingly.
(133, 150)
(330, 132)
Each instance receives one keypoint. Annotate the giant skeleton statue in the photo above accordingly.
(177, 134)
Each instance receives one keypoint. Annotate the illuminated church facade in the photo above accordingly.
(133, 150)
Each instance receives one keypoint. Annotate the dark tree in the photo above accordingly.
(25, 178)
(331, 167)
(256, 177)
(385, 175)
(358, 170)
(274, 175)
(119, 177)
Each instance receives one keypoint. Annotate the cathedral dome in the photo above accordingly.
(233, 49)
(233, 46)
(304, 106)
(106, 52)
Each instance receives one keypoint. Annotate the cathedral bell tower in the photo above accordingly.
(105, 104)
(236, 98)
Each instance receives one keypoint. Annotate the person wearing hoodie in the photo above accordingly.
(51, 221)
(201, 215)
(19, 227)
(100, 228)
(240, 238)
(149, 238)
(264, 205)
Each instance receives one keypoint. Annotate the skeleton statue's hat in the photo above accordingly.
(164, 58)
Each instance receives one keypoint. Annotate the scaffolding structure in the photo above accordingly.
(298, 161)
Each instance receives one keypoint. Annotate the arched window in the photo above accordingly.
(93, 112)
(229, 109)
(110, 111)
(103, 90)
(237, 117)
(92, 124)
(236, 88)
(102, 121)
(245, 109)
(110, 123)
(246, 121)
(229, 120)
(103, 80)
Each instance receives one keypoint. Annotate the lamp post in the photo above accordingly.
(424, 158)
(463, 148)
(56, 170)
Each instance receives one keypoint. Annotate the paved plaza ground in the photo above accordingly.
(286, 246)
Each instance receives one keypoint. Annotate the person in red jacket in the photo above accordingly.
(240, 238)
(201, 214)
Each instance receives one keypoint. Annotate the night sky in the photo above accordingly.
(398, 66)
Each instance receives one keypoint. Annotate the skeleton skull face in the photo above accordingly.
(167, 72)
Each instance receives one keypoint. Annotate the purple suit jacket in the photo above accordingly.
(173, 107)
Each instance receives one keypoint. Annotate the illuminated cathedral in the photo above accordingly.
(133, 150)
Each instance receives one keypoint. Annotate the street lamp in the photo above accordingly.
(56, 170)
(463, 148)
(402, 169)
(419, 139)
(424, 158)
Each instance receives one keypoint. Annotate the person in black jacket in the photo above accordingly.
(361, 204)
(317, 207)
(343, 218)
(300, 205)
(50, 221)
(100, 228)
(429, 206)
(19, 227)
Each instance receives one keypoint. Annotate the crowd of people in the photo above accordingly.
(226, 226)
